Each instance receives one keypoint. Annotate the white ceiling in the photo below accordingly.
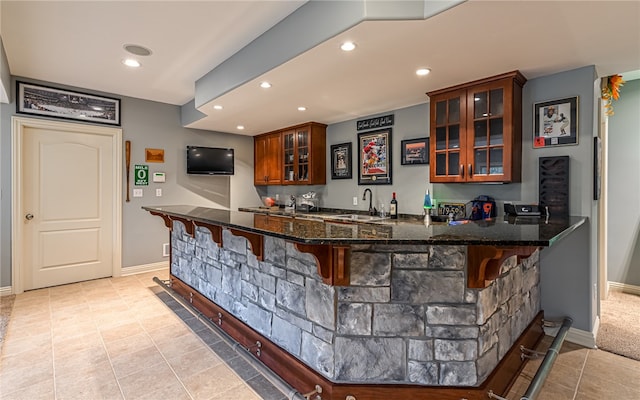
(80, 44)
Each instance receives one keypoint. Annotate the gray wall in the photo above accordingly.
(410, 182)
(148, 125)
(623, 263)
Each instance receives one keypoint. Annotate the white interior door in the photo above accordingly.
(67, 204)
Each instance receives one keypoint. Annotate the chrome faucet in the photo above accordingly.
(372, 210)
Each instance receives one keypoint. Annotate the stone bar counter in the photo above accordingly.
(388, 310)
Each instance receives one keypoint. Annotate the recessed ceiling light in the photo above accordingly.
(302, 108)
(240, 127)
(423, 71)
(347, 46)
(265, 85)
(130, 62)
(137, 50)
(217, 107)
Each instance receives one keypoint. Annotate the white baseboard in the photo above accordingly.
(6, 291)
(139, 269)
(623, 287)
(578, 336)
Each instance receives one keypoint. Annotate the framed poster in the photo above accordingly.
(341, 161)
(556, 123)
(51, 102)
(374, 157)
(415, 151)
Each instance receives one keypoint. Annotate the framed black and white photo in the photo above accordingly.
(58, 103)
(341, 161)
(374, 157)
(415, 151)
(597, 167)
(556, 123)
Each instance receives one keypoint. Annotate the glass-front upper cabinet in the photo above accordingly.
(289, 150)
(291, 156)
(447, 150)
(478, 131)
(304, 148)
(488, 140)
(302, 138)
(296, 156)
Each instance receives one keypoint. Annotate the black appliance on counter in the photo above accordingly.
(520, 210)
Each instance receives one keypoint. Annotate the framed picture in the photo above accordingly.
(154, 155)
(597, 167)
(374, 157)
(415, 151)
(341, 161)
(51, 102)
(556, 123)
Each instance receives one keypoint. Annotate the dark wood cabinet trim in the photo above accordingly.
(515, 75)
(216, 231)
(484, 262)
(255, 240)
(334, 261)
(511, 83)
(165, 217)
(269, 164)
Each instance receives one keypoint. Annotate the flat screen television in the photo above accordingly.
(209, 160)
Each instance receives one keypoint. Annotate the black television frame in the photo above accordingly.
(212, 153)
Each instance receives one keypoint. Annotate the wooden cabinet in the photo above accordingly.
(476, 131)
(268, 159)
(304, 150)
(299, 158)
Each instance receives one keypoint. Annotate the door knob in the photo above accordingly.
(29, 217)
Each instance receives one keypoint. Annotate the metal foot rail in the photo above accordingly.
(291, 393)
(545, 368)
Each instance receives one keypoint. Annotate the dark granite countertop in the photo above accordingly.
(318, 228)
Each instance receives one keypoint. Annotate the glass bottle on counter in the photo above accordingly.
(393, 208)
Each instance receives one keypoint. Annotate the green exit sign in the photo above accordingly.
(141, 175)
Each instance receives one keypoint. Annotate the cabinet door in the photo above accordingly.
(267, 163)
(274, 162)
(489, 133)
(296, 150)
(260, 161)
(303, 146)
(289, 156)
(448, 128)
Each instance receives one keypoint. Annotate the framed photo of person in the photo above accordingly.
(556, 123)
(374, 157)
(341, 161)
(415, 151)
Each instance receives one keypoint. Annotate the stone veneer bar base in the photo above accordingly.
(407, 321)
(305, 379)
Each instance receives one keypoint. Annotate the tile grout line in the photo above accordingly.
(199, 318)
(223, 361)
(104, 345)
(158, 348)
(53, 350)
(584, 364)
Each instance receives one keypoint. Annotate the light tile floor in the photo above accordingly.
(119, 338)
(124, 338)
